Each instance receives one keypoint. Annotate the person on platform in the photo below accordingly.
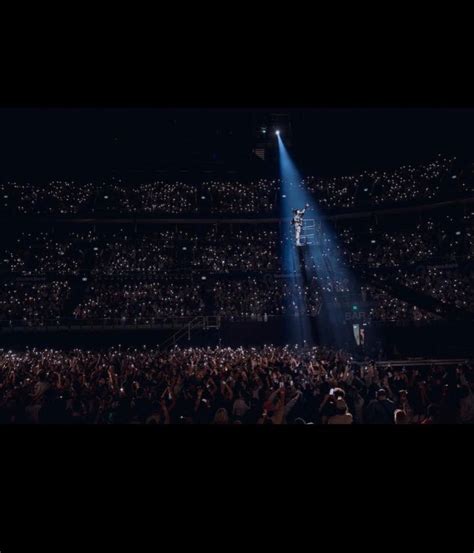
(297, 221)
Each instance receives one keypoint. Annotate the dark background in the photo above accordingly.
(90, 142)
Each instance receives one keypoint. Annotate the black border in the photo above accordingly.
(388, 481)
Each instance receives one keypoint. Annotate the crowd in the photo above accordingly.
(239, 298)
(335, 192)
(442, 178)
(52, 198)
(234, 250)
(387, 308)
(125, 254)
(33, 302)
(234, 270)
(240, 198)
(156, 197)
(238, 272)
(250, 298)
(257, 298)
(445, 238)
(140, 301)
(449, 285)
(269, 385)
(38, 253)
(408, 183)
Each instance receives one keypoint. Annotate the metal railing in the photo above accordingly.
(67, 323)
(413, 362)
(103, 322)
(197, 322)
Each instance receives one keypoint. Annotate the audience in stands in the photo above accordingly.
(442, 178)
(234, 271)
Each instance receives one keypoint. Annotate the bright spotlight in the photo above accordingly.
(277, 132)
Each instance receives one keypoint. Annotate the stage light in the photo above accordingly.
(317, 262)
(277, 132)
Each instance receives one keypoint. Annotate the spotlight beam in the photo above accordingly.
(298, 324)
(319, 264)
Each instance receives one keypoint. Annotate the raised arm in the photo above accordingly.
(289, 406)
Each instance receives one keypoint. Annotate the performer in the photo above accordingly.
(297, 221)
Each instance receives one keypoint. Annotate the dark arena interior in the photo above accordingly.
(154, 269)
